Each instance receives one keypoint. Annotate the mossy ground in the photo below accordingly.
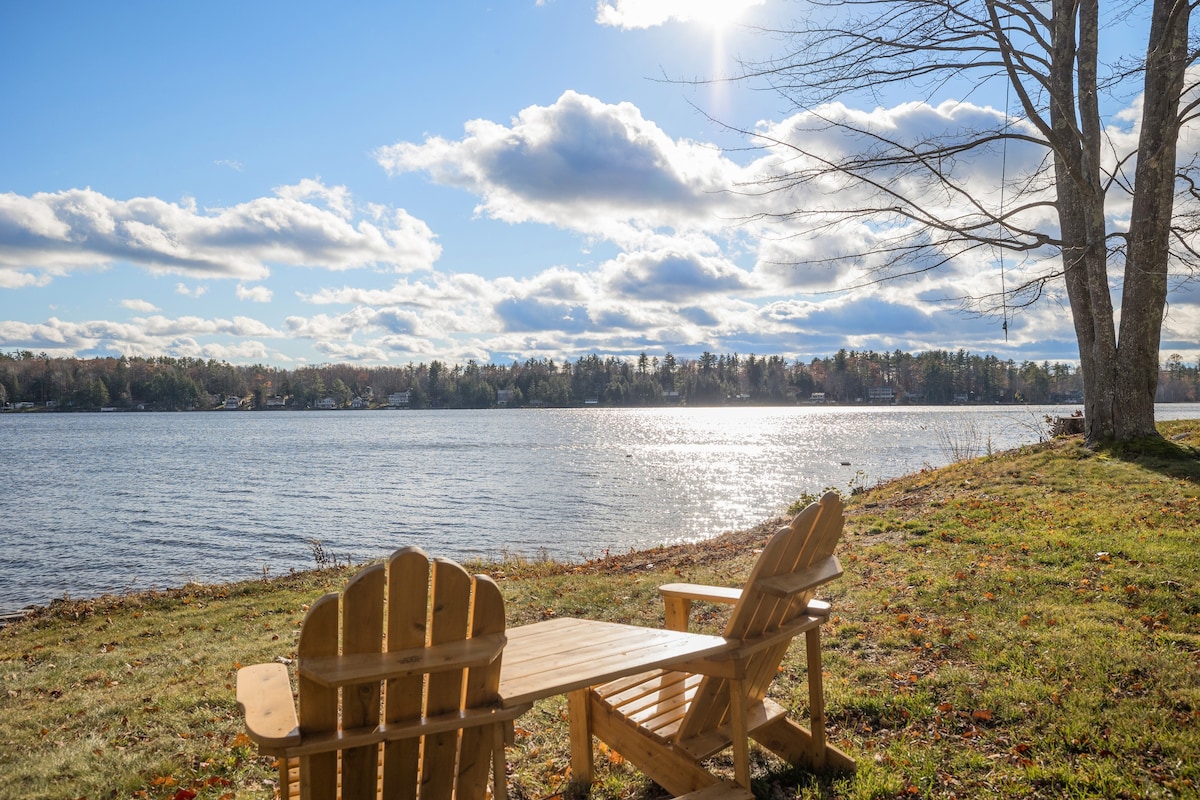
(1023, 625)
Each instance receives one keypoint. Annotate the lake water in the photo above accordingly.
(97, 503)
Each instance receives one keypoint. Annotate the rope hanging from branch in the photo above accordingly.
(1003, 186)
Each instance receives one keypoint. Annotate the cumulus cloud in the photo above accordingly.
(629, 14)
(190, 291)
(144, 336)
(142, 306)
(344, 352)
(697, 267)
(309, 225)
(673, 276)
(580, 164)
(336, 199)
(257, 294)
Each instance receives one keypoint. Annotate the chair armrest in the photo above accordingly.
(696, 591)
(794, 583)
(264, 694)
(678, 597)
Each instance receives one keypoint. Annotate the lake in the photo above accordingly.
(98, 503)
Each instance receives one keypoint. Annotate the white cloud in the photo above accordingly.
(190, 291)
(343, 352)
(257, 294)
(673, 276)
(335, 198)
(688, 274)
(309, 225)
(630, 14)
(160, 326)
(582, 165)
(14, 279)
(147, 337)
(141, 306)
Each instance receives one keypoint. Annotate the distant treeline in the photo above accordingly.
(933, 377)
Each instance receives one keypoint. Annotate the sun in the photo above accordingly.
(719, 14)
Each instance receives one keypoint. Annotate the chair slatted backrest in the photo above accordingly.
(412, 602)
(806, 543)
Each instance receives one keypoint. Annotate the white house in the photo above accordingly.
(327, 403)
(232, 403)
(881, 394)
(399, 399)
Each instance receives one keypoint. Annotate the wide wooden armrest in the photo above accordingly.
(678, 597)
(786, 633)
(797, 582)
(697, 591)
(264, 694)
(334, 671)
(731, 663)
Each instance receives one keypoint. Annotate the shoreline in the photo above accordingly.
(509, 568)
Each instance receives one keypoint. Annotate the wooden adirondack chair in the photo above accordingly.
(667, 721)
(417, 668)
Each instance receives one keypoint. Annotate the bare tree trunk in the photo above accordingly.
(1120, 376)
(1076, 145)
(1147, 252)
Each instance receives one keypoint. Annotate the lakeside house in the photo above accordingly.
(881, 394)
(399, 399)
(232, 403)
(275, 402)
(326, 404)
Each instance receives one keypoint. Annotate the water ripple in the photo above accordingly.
(216, 497)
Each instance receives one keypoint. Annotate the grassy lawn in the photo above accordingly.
(1022, 625)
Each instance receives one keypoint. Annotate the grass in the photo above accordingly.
(1021, 625)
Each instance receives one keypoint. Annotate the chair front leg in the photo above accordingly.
(740, 732)
(816, 697)
(500, 735)
(579, 715)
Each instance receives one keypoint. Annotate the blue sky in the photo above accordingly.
(301, 182)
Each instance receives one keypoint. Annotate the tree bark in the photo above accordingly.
(1148, 248)
(1076, 146)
